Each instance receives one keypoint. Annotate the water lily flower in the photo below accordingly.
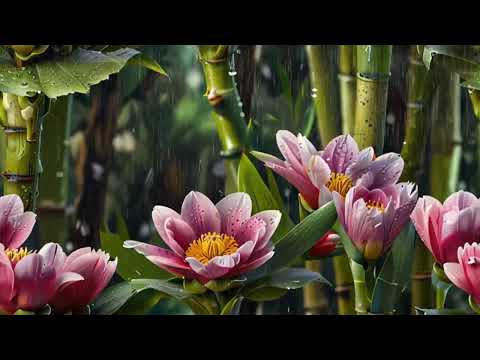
(96, 269)
(444, 228)
(210, 241)
(15, 224)
(466, 273)
(340, 166)
(28, 281)
(326, 245)
(374, 218)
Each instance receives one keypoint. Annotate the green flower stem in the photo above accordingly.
(362, 302)
(347, 84)
(227, 111)
(373, 74)
(324, 92)
(441, 292)
(414, 146)
(21, 124)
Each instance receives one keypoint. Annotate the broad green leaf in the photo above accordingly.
(131, 265)
(462, 57)
(220, 285)
(169, 288)
(395, 273)
(202, 304)
(233, 306)
(250, 181)
(303, 236)
(112, 299)
(293, 278)
(141, 303)
(275, 191)
(442, 287)
(63, 75)
(149, 63)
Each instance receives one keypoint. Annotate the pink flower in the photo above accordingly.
(28, 281)
(340, 166)
(374, 218)
(466, 273)
(15, 224)
(96, 270)
(210, 241)
(443, 228)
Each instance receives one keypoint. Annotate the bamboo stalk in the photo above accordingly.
(446, 139)
(347, 84)
(373, 74)
(323, 92)
(54, 179)
(226, 105)
(344, 288)
(22, 134)
(413, 150)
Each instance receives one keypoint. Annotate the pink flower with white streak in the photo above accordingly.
(15, 224)
(466, 273)
(339, 167)
(96, 269)
(374, 218)
(210, 241)
(28, 281)
(443, 228)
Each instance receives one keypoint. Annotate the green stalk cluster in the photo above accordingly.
(347, 84)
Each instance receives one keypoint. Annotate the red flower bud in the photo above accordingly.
(325, 246)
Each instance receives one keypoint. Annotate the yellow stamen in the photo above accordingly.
(15, 255)
(375, 205)
(210, 245)
(340, 183)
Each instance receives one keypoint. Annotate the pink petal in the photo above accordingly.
(387, 169)
(156, 254)
(306, 149)
(234, 209)
(216, 267)
(324, 196)
(21, 227)
(271, 219)
(245, 251)
(7, 278)
(288, 146)
(456, 275)
(53, 255)
(267, 158)
(66, 279)
(318, 171)
(359, 166)
(255, 263)
(460, 200)
(173, 230)
(35, 283)
(76, 254)
(200, 213)
(340, 152)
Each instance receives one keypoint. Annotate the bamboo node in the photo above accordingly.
(14, 130)
(422, 276)
(373, 77)
(17, 178)
(212, 61)
(415, 105)
(346, 78)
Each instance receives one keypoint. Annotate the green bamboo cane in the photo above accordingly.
(227, 113)
(22, 136)
(414, 146)
(373, 74)
(445, 139)
(362, 302)
(324, 92)
(54, 179)
(347, 84)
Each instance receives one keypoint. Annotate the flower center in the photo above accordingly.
(210, 245)
(15, 255)
(340, 183)
(375, 205)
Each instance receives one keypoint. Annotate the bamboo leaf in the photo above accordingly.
(395, 273)
(149, 63)
(233, 306)
(303, 236)
(308, 122)
(131, 265)
(264, 294)
(250, 181)
(64, 75)
(141, 303)
(420, 311)
(112, 299)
